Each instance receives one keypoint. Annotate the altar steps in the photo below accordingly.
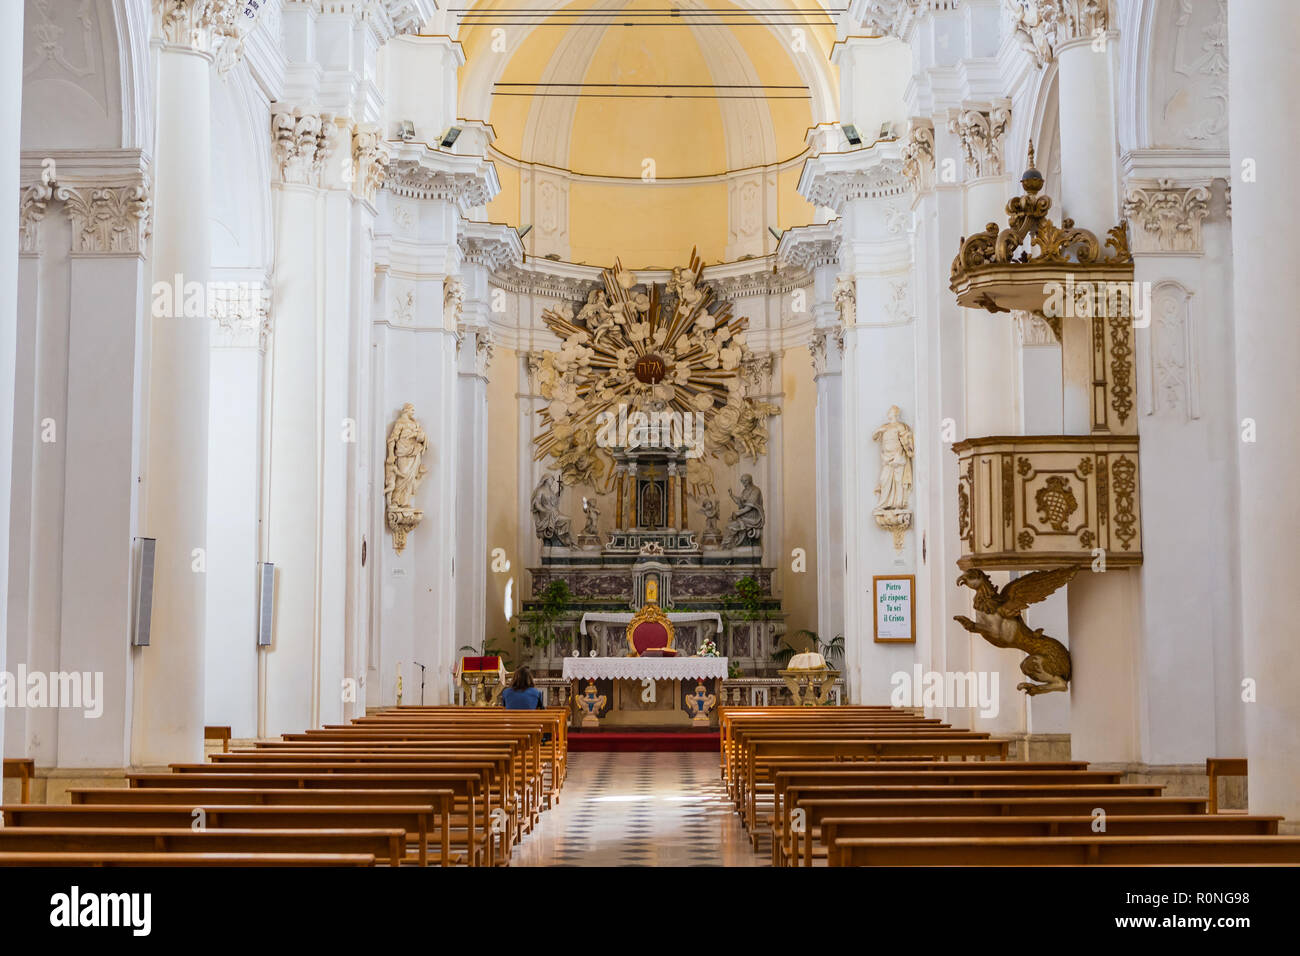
(611, 742)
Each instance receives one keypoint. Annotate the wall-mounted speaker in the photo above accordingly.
(144, 594)
(266, 606)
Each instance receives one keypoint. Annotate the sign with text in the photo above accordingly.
(892, 594)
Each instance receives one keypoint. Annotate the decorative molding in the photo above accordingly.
(453, 301)
(808, 253)
(105, 219)
(1044, 26)
(886, 17)
(762, 282)
(493, 252)
(370, 161)
(1174, 369)
(918, 154)
(1170, 215)
(980, 134)
(302, 140)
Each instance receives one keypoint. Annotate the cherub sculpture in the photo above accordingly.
(999, 621)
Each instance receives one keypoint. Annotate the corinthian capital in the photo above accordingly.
(209, 27)
(107, 219)
(371, 161)
(1167, 216)
(980, 133)
(1042, 26)
(301, 141)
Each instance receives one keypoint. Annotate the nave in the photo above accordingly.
(640, 809)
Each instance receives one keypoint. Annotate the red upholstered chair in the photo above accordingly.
(649, 630)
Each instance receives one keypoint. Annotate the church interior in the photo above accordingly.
(524, 433)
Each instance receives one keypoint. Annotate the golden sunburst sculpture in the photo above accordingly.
(653, 350)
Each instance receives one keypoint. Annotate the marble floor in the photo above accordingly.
(640, 809)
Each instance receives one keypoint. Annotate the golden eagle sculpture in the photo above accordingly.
(999, 621)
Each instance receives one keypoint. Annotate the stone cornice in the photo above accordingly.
(418, 171)
(807, 247)
(490, 244)
(836, 179)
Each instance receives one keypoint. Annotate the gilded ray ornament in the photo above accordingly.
(656, 349)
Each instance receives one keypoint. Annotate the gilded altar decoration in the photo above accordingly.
(589, 705)
(649, 352)
(1000, 621)
(894, 486)
(699, 705)
(403, 470)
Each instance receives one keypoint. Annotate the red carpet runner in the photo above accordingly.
(603, 742)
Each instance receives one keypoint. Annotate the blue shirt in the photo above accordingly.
(527, 699)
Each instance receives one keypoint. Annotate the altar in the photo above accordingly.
(644, 691)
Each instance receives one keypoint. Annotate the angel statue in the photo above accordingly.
(999, 621)
(549, 524)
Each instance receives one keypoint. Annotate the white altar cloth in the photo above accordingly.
(644, 668)
(673, 616)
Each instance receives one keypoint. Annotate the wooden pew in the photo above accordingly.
(388, 845)
(1065, 851)
(1216, 767)
(413, 819)
(1173, 827)
(185, 859)
(23, 769)
(221, 734)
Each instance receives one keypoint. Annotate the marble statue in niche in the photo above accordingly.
(894, 486)
(551, 527)
(712, 534)
(403, 470)
(746, 524)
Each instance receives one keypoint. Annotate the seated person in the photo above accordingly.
(521, 694)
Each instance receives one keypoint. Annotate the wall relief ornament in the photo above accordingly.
(403, 471)
(613, 339)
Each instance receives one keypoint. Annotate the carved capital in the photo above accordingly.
(980, 133)
(826, 348)
(453, 300)
(209, 27)
(1035, 330)
(918, 155)
(107, 219)
(481, 341)
(1043, 26)
(301, 143)
(31, 210)
(1167, 217)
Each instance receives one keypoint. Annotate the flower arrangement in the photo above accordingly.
(708, 648)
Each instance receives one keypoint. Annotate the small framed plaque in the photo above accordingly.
(894, 621)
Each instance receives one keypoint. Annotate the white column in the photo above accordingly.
(291, 692)
(1264, 128)
(168, 724)
(828, 372)
(11, 102)
(1103, 607)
